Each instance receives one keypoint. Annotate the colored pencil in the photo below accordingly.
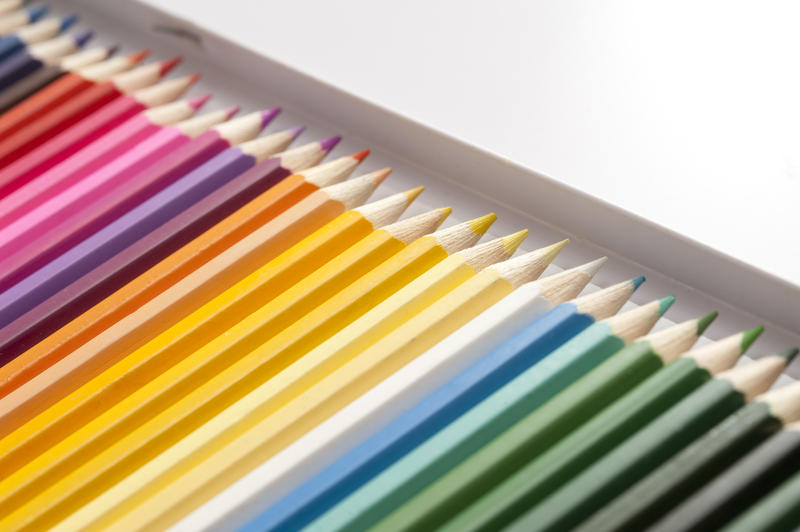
(62, 141)
(89, 480)
(240, 435)
(533, 433)
(33, 196)
(30, 148)
(12, 20)
(71, 272)
(445, 449)
(612, 425)
(126, 182)
(19, 90)
(399, 404)
(111, 273)
(26, 62)
(728, 495)
(265, 474)
(151, 213)
(660, 439)
(171, 305)
(39, 31)
(778, 511)
(65, 89)
(681, 475)
(91, 477)
(176, 266)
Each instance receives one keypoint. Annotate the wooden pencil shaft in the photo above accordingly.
(777, 511)
(434, 412)
(732, 492)
(599, 435)
(679, 477)
(661, 439)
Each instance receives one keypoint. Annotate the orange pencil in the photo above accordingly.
(177, 301)
(173, 268)
(28, 136)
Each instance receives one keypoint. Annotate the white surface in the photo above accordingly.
(683, 112)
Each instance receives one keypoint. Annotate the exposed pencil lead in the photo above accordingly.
(705, 321)
(591, 268)
(637, 282)
(168, 64)
(68, 21)
(82, 37)
(750, 336)
(36, 12)
(789, 354)
(198, 102)
(665, 303)
(113, 49)
(194, 78)
(513, 241)
(480, 225)
(138, 57)
(329, 143)
(230, 111)
(269, 115)
(360, 156)
(296, 131)
(414, 193)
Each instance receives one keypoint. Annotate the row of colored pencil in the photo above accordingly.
(203, 327)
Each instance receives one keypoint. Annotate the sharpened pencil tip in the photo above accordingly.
(789, 354)
(295, 131)
(513, 241)
(705, 321)
(68, 21)
(748, 337)
(268, 115)
(200, 101)
(444, 212)
(37, 12)
(554, 249)
(378, 176)
(637, 282)
(413, 194)
(480, 225)
(193, 78)
(360, 156)
(83, 37)
(329, 143)
(591, 268)
(665, 303)
(138, 57)
(230, 111)
(111, 50)
(168, 64)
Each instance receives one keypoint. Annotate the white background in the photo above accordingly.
(683, 112)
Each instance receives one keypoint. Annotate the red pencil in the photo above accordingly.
(62, 90)
(64, 144)
(32, 133)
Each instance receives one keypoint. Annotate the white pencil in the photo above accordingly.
(333, 438)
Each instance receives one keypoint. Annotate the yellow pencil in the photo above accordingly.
(116, 422)
(167, 387)
(27, 443)
(248, 437)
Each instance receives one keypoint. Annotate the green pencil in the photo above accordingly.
(732, 492)
(778, 511)
(681, 475)
(601, 434)
(372, 501)
(659, 440)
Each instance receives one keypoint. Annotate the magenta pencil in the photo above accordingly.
(93, 157)
(155, 170)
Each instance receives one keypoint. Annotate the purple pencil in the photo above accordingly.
(151, 214)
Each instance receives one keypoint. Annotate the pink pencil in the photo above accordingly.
(94, 156)
(45, 217)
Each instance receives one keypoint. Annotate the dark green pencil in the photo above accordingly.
(658, 441)
(680, 476)
(778, 511)
(601, 434)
